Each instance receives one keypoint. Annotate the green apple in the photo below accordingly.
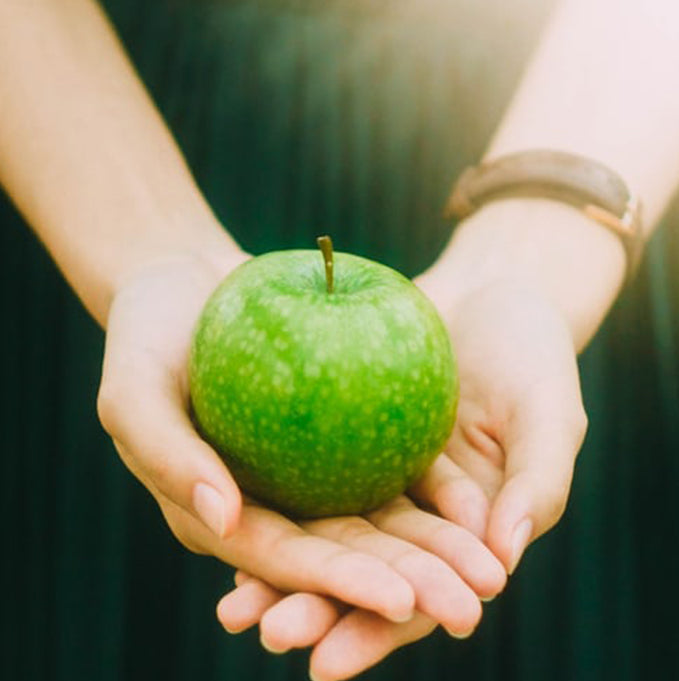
(325, 396)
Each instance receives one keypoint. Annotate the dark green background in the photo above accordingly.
(348, 117)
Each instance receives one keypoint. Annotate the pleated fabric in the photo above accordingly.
(302, 117)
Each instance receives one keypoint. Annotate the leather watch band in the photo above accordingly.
(577, 180)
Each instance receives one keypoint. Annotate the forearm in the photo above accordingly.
(85, 155)
(598, 85)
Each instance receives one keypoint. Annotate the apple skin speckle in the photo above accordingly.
(322, 404)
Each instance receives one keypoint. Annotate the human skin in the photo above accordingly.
(90, 164)
(523, 285)
(132, 232)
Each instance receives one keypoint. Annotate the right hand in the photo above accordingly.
(144, 406)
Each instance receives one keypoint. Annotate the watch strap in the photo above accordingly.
(584, 183)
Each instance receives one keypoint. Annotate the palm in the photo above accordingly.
(147, 344)
(510, 457)
(519, 403)
(145, 409)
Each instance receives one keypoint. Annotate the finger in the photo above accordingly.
(360, 640)
(190, 532)
(439, 591)
(294, 621)
(241, 577)
(540, 461)
(458, 547)
(288, 558)
(245, 606)
(298, 621)
(141, 406)
(454, 494)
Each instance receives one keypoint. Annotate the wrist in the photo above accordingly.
(535, 245)
(194, 239)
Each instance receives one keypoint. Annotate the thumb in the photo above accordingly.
(142, 408)
(539, 470)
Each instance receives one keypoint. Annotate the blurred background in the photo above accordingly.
(353, 118)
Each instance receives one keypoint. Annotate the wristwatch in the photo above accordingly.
(584, 183)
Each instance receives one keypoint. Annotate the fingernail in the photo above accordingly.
(458, 635)
(401, 617)
(275, 651)
(221, 616)
(209, 505)
(520, 538)
(314, 677)
(486, 599)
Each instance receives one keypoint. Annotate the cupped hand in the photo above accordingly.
(144, 406)
(520, 421)
(505, 477)
(449, 572)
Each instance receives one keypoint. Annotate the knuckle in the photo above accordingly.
(416, 561)
(341, 567)
(393, 511)
(447, 535)
(158, 469)
(351, 531)
(445, 485)
(461, 492)
(188, 542)
(141, 453)
(181, 532)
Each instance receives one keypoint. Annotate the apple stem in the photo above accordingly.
(325, 244)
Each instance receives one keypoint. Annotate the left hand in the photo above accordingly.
(448, 567)
(507, 475)
(521, 420)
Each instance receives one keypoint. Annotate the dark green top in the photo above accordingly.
(350, 117)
